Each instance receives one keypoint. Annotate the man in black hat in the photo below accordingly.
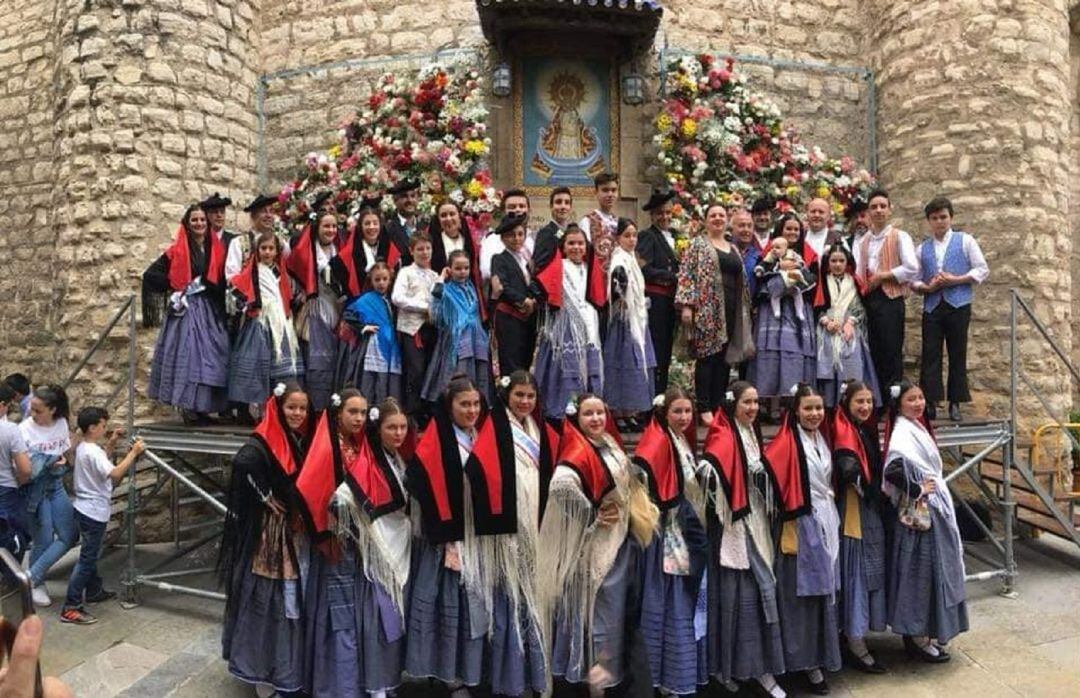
(239, 247)
(214, 207)
(656, 246)
(858, 221)
(762, 212)
(402, 223)
(515, 203)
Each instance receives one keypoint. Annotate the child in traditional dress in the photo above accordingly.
(629, 361)
(264, 551)
(597, 521)
(462, 346)
(842, 351)
(744, 637)
(928, 600)
(514, 295)
(267, 351)
(356, 601)
(675, 561)
(369, 357)
(568, 360)
(416, 333)
(316, 322)
(807, 566)
(779, 251)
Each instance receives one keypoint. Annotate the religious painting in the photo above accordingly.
(566, 121)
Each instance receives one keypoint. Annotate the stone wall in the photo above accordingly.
(152, 112)
(994, 136)
(28, 53)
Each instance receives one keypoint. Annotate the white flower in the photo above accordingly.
(729, 396)
(571, 408)
(894, 391)
(335, 400)
(279, 389)
(373, 414)
(504, 382)
(658, 401)
(794, 389)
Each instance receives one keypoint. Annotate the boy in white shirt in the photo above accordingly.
(94, 478)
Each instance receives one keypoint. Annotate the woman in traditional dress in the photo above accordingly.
(597, 521)
(673, 623)
(715, 310)
(842, 350)
(356, 598)
(367, 244)
(264, 550)
(927, 605)
(744, 623)
(857, 458)
(369, 357)
(185, 288)
(784, 334)
(317, 320)
(462, 344)
(629, 362)
(568, 360)
(807, 568)
(267, 351)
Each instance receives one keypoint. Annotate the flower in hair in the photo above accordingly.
(843, 388)
(794, 389)
(504, 382)
(658, 401)
(571, 407)
(894, 391)
(373, 414)
(729, 396)
(313, 216)
(335, 400)
(279, 389)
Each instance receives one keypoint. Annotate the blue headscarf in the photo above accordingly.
(456, 309)
(371, 308)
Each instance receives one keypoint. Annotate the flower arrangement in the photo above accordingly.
(718, 139)
(430, 126)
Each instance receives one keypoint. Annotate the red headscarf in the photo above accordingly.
(786, 462)
(724, 450)
(273, 432)
(657, 455)
(349, 263)
(846, 439)
(550, 279)
(577, 453)
(303, 261)
(179, 256)
(246, 283)
(372, 481)
(322, 472)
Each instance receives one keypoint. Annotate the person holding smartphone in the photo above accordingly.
(95, 476)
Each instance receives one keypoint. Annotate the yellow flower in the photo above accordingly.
(792, 192)
(687, 83)
(689, 128)
(823, 191)
(663, 123)
(837, 208)
(334, 151)
(475, 147)
(474, 189)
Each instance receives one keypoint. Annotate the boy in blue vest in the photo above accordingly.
(950, 264)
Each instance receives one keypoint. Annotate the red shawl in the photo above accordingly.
(372, 481)
(302, 262)
(596, 287)
(320, 475)
(724, 450)
(822, 296)
(179, 256)
(845, 438)
(246, 283)
(550, 279)
(491, 469)
(578, 454)
(787, 464)
(273, 432)
(657, 455)
(349, 263)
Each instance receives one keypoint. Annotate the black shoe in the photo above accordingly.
(954, 411)
(103, 595)
(821, 688)
(916, 652)
(931, 411)
(856, 662)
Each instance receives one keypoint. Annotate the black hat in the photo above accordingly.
(260, 201)
(508, 223)
(658, 198)
(857, 206)
(214, 201)
(403, 186)
(374, 202)
(320, 199)
(762, 204)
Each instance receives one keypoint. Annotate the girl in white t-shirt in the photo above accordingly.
(51, 516)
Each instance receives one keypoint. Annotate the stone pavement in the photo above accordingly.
(170, 645)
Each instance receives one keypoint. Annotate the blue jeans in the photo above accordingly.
(85, 578)
(14, 534)
(54, 530)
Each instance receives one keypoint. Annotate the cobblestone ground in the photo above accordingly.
(170, 645)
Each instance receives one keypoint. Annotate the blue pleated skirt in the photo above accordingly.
(863, 603)
(809, 626)
(559, 377)
(253, 370)
(748, 645)
(629, 369)
(191, 359)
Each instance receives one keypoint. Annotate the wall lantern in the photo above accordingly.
(633, 89)
(500, 80)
